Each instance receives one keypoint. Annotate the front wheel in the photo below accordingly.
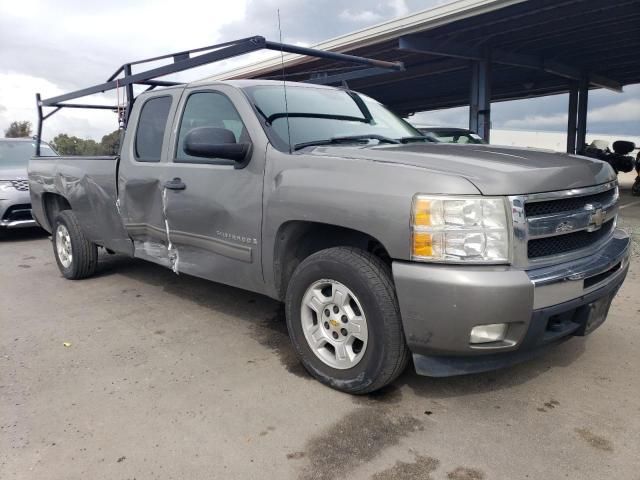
(76, 256)
(344, 321)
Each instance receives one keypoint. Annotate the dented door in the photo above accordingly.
(141, 193)
(214, 210)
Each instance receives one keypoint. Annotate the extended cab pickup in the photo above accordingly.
(381, 244)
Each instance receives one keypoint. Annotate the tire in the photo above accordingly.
(67, 237)
(366, 281)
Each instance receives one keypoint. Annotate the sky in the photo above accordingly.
(53, 47)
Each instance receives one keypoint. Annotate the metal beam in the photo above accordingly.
(456, 50)
(346, 76)
(480, 101)
(340, 57)
(571, 123)
(583, 100)
(234, 50)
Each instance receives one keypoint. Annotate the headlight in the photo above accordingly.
(5, 186)
(459, 229)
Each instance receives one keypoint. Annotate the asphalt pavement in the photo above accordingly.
(139, 373)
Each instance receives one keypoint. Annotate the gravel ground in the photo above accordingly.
(138, 373)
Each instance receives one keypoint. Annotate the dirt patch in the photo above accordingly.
(550, 405)
(357, 438)
(596, 441)
(464, 473)
(421, 469)
(272, 333)
(295, 455)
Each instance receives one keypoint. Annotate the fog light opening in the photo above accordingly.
(494, 332)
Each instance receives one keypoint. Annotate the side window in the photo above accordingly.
(209, 109)
(151, 126)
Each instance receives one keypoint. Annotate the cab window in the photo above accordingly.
(151, 127)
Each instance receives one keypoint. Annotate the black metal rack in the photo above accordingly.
(126, 79)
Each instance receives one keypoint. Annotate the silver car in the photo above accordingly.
(15, 203)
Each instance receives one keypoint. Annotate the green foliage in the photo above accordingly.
(111, 143)
(66, 145)
(18, 129)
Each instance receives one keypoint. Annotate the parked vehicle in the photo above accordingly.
(382, 246)
(15, 203)
(635, 188)
(618, 158)
(451, 135)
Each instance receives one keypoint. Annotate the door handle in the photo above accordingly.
(175, 184)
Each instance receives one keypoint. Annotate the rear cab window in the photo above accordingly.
(151, 127)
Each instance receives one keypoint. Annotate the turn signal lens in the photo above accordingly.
(422, 212)
(422, 244)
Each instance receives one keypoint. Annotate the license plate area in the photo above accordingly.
(596, 314)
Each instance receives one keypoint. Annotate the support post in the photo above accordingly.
(39, 128)
(571, 123)
(583, 99)
(480, 101)
(129, 91)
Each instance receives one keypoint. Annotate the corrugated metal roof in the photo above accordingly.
(587, 35)
(389, 30)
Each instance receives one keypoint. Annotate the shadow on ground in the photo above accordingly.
(22, 235)
(268, 326)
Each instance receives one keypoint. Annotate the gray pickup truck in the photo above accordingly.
(382, 245)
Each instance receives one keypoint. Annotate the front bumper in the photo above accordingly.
(440, 304)
(15, 210)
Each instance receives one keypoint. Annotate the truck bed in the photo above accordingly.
(89, 184)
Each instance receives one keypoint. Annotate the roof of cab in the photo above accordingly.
(254, 83)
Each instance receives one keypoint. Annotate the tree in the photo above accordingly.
(66, 145)
(110, 144)
(18, 129)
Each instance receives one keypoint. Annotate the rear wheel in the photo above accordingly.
(76, 256)
(344, 321)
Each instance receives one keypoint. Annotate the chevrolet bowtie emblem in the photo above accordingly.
(597, 218)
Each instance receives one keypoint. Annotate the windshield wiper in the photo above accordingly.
(416, 138)
(274, 116)
(345, 139)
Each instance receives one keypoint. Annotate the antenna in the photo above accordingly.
(284, 83)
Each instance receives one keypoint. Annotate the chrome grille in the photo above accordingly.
(22, 185)
(559, 244)
(561, 226)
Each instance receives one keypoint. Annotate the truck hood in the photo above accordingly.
(494, 170)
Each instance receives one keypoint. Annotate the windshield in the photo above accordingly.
(453, 136)
(16, 153)
(331, 113)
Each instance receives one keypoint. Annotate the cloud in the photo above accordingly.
(55, 47)
(621, 113)
(538, 122)
(400, 8)
(358, 17)
(627, 111)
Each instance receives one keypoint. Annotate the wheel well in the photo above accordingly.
(296, 240)
(54, 204)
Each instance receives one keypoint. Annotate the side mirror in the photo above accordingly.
(211, 142)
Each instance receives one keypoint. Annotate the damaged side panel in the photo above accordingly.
(142, 206)
(87, 184)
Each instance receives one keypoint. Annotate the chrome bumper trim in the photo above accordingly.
(561, 283)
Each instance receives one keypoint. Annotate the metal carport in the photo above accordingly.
(474, 52)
